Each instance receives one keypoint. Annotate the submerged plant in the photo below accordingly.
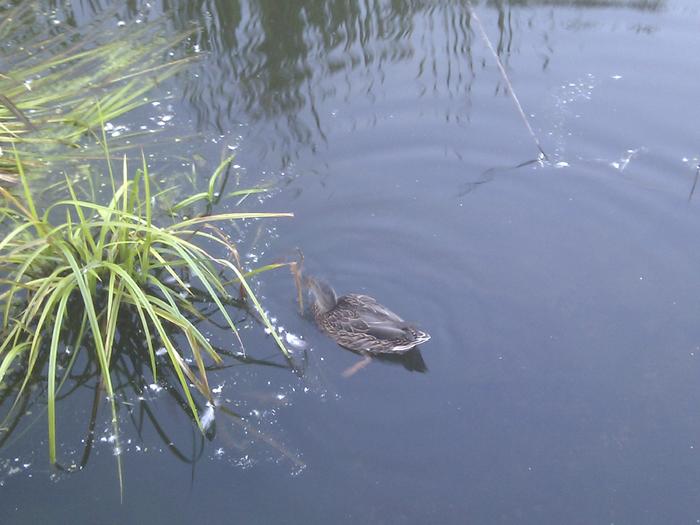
(130, 375)
(50, 81)
(82, 262)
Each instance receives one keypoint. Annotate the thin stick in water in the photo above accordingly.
(506, 79)
(695, 182)
(19, 115)
(296, 269)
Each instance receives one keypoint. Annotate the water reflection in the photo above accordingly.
(489, 174)
(274, 67)
(153, 415)
(412, 361)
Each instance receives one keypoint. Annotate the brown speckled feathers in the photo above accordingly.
(360, 323)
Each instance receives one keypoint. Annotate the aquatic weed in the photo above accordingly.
(91, 260)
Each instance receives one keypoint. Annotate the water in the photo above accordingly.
(562, 381)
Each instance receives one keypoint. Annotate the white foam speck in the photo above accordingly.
(295, 341)
(207, 416)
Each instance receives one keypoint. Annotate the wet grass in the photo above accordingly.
(80, 275)
(137, 398)
(80, 258)
(52, 82)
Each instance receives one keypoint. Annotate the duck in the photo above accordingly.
(360, 323)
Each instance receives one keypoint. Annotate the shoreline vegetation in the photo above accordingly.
(79, 272)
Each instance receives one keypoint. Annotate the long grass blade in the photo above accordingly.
(504, 75)
(55, 338)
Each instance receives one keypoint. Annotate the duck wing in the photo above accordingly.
(363, 314)
(369, 307)
(379, 329)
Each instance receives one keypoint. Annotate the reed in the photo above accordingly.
(507, 81)
(50, 83)
(80, 260)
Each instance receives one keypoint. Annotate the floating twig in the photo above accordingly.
(489, 174)
(19, 115)
(8, 178)
(695, 182)
(296, 269)
(473, 14)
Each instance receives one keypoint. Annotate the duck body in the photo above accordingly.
(360, 323)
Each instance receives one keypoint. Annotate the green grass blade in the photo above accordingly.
(55, 338)
(190, 201)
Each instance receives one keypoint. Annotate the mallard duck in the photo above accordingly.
(360, 323)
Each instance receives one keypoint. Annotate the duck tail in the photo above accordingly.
(421, 337)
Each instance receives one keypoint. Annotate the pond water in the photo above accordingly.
(562, 380)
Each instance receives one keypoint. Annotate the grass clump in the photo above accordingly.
(80, 261)
(75, 273)
(51, 79)
(213, 194)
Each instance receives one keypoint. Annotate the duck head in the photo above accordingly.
(322, 295)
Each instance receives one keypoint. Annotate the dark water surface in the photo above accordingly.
(562, 381)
